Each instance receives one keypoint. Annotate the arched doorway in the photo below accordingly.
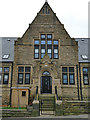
(46, 83)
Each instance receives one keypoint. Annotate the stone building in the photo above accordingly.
(46, 62)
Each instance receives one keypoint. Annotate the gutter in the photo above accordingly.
(80, 82)
(11, 84)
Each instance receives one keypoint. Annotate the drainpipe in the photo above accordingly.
(77, 83)
(11, 83)
(80, 82)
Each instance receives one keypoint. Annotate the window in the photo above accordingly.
(36, 49)
(55, 42)
(36, 52)
(23, 93)
(64, 75)
(24, 71)
(84, 57)
(0, 69)
(71, 75)
(43, 36)
(85, 76)
(49, 50)
(49, 42)
(55, 51)
(21, 69)
(46, 44)
(49, 36)
(6, 75)
(36, 42)
(20, 75)
(20, 78)
(68, 74)
(6, 56)
(27, 75)
(42, 52)
(43, 42)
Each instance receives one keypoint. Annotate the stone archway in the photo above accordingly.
(46, 83)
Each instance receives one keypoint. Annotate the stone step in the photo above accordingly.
(44, 113)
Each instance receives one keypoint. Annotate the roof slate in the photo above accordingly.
(7, 47)
(83, 48)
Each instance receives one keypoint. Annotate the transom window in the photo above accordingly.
(55, 42)
(49, 36)
(43, 36)
(36, 42)
(46, 73)
(24, 75)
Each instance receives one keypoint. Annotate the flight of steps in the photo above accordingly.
(47, 104)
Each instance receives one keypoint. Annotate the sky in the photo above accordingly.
(16, 15)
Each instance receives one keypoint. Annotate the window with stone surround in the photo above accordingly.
(4, 75)
(46, 44)
(85, 76)
(68, 76)
(24, 75)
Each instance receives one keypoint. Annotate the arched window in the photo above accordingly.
(46, 73)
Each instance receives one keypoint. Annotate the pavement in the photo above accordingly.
(70, 117)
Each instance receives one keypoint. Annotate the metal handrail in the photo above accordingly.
(36, 97)
(56, 92)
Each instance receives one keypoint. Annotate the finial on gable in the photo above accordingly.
(46, 1)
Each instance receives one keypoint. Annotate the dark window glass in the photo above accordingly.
(71, 69)
(6, 69)
(23, 93)
(0, 78)
(20, 78)
(64, 69)
(65, 78)
(71, 78)
(27, 69)
(6, 78)
(49, 36)
(49, 42)
(20, 69)
(0, 69)
(55, 42)
(27, 78)
(43, 10)
(43, 42)
(36, 42)
(43, 36)
(46, 9)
